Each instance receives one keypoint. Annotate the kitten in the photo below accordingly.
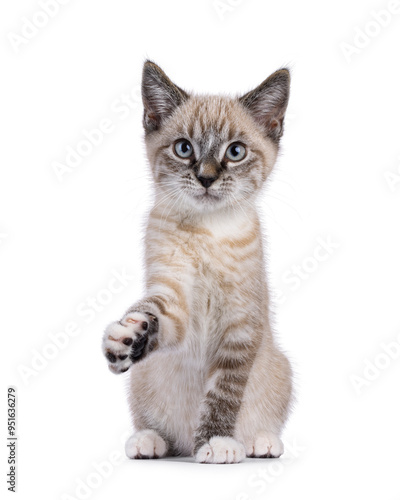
(206, 376)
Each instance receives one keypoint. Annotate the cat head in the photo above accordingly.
(211, 152)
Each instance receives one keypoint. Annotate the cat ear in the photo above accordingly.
(160, 96)
(267, 103)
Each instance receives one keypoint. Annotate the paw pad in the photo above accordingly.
(125, 341)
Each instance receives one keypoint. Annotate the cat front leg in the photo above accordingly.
(214, 441)
(159, 320)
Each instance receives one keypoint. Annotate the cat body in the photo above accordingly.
(206, 376)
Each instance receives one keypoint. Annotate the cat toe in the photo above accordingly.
(145, 444)
(264, 445)
(221, 450)
(125, 342)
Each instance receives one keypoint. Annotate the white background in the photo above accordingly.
(61, 241)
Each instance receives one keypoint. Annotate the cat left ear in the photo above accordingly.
(267, 103)
(160, 96)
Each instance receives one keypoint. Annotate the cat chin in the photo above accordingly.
(207, 202)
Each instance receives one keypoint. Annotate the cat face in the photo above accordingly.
(211, 152)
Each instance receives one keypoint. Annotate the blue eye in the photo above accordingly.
(183, 148)
(235, 152)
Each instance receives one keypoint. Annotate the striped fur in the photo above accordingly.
(213, 382)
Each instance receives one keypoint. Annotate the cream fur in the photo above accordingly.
(206, 284)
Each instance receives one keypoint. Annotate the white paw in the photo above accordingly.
(264, 445)
(125, 341)
(221, 450)
(146, 444)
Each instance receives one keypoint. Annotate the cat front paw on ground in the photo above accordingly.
(221, 450)
(128, 341)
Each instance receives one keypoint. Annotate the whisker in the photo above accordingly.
(171, 199)
(178, 198)
(170, 193)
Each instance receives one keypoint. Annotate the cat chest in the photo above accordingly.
(215, 283)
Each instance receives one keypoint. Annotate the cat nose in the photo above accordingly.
(206, 181)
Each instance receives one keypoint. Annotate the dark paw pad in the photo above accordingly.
(139, 348)
(111, 357)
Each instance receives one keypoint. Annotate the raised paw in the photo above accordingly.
(146, 444)
(127, 341)
(221, 450)
(264, 445)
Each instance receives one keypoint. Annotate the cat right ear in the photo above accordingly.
(160, 96)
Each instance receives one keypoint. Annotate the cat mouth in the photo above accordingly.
(206, 195)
